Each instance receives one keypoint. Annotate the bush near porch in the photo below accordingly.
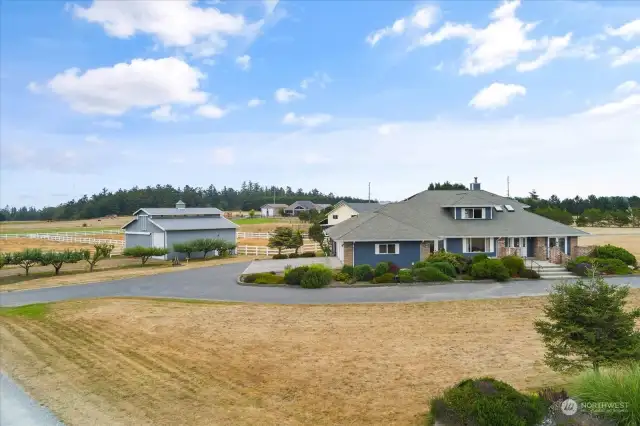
(607, 259)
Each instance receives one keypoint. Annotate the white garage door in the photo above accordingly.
(157, 240)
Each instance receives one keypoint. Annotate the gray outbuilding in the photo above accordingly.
(164, 227)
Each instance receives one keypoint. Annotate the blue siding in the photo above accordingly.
(132, 240)
(365, 253)
(454, 245)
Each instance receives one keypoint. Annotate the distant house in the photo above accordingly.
(303, 206)
(270, 210)
(164, 227)
(468, 222)
(344, 210)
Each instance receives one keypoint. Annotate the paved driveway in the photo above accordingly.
(278, 265)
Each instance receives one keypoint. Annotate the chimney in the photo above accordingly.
(180, 205)
(475, 186)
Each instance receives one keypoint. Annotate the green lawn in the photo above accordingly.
(16, 230)
(257, 220)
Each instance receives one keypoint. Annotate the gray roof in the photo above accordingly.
(322, 206)
(195, 223)
(274, 206)
(172, 211)
(422, 217)
(306, 204)
(364, 207)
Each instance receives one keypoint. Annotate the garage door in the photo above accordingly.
(157, 240)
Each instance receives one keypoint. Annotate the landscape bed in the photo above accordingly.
(147, 361)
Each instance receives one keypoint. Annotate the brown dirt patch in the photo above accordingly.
(127, 361)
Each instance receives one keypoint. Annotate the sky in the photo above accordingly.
(318, 94)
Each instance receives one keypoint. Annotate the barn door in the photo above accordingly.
(157, 240)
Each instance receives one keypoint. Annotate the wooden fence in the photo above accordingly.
(266, 251)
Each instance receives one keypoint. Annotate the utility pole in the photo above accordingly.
(369, 192)
(508, 187)
(274, 195)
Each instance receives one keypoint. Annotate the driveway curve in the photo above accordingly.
(219, 283)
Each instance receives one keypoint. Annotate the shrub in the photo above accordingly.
(529, 273)
(460, 262)
(480, 257)
(514, 264)
(445, 267)
(293, 255)
(26, 258)
(486, 402)
(347, 269)
(59, 258)
(250, 278)
(405, 276)
(420, 264)
(269, 279)
(611, 266)
(316, 278)
(381, 269)
(100, 251)
(621, 384)
(294, 276)
(393, 268)
(144, 253)
(430, 274)
(583, 269)
(308, 254)
(363, 273)
(466, 277)
(280, 256)
(490, 269)
(612, 252)
(385, 278)
(341, 277)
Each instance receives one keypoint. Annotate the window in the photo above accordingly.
(477, 245)
(562, 243)
(354, 215)
(143, 222)
(498, 208)
(509, 207)
(387, 248)
(476, 213)
(335, 216)
(507, 242)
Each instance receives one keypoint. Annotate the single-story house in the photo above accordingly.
(303, 206)
(164, 227)
(344, 210)
(468, 222)
(270, 210)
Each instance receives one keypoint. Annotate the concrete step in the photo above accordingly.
(562, 272)
(557, 277)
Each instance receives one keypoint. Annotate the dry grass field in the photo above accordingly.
(18, 244)
(162, 362)
(628, 238)
(63, 226)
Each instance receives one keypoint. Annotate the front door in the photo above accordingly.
(521, 244)
(157, 240)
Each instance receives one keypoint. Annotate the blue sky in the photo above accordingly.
(322, 94)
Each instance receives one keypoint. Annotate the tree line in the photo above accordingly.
(122, 202)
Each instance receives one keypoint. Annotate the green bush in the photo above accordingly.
(430, 274)
(480, 257)
(490, 269)
(611, 266)
(347, 269)
(583, 269)
(293, 255)
(486, 402)
(466, 277)
(445, 267)
(341, 277)
(612, 252)
(420, 264)
(381, 269)
(144, 253)
(269, 279)
(405, 276)
(363, 273)
(460, 262)
(385, 278)
(308, 254)
(529, 273)
(250, 278)
(280, 256)
(294, 276)
(620, 385)
(316, 278)
(514, 264)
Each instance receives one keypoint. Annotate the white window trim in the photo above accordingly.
(334, 217)
(492, 249)
(484, 213)
(387, 244)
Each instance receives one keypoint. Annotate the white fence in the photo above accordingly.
(261, 235)
(266, 251)
(64, 237)
(68, 234)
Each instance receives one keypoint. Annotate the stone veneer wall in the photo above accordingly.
(424, 250)
(577, 251)
(557, 256)
(348, 254)
(540, 248)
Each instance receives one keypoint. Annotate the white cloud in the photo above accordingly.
(387, 129)
(627, 57)
(627, 87)
(321, 79)
(143, 83)
(499, 44)
(630, 104)
(172, 23)
(109, 124)
(255, 103)
(284, 95)
(164, 113)
(554, 49)
(223, 156)
(312, 120)
(496, 95)
(211, 111)
(422, 18)
(244, 62)
(627, 31)
(34, 87)
(94, 139)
